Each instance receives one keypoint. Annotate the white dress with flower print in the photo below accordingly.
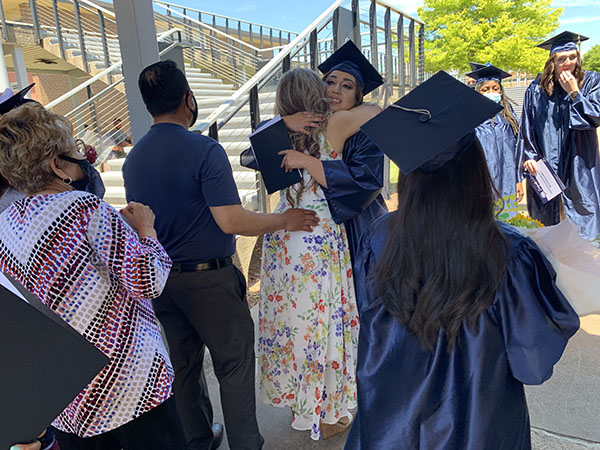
(308, 323)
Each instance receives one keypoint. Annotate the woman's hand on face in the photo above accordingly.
(141, 218)
(568, 82)
(300, 121)
(293, 159)
(531, 166)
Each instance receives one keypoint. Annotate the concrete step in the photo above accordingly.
(112, 178)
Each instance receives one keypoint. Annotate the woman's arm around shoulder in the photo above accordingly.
(343, 124)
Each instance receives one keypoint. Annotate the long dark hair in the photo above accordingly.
(505, 102)
(445, 254)
(548, 78)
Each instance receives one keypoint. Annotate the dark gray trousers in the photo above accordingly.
(208, 308)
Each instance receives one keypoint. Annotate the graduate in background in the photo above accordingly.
(498, 136)
(561, 113)
(457, 310)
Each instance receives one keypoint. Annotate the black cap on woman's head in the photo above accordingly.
(348, 58)
(15, 100)
(431, 125)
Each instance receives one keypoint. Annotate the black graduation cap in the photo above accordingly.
(266, 142)
(563, 42)
(489, 72)
(348, 58)
(431, 124)
(16, 100)
(475, 66)
(45, 364)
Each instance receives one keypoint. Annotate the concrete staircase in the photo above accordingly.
(516, 94)
(210, 93)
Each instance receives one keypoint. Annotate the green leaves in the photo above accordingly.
(503, 32)
(591, 60)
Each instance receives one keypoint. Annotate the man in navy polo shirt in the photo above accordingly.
(186, 179)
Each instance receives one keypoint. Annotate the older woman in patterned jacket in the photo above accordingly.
(79, 256)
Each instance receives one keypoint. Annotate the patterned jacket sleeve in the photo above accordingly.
(141, 265)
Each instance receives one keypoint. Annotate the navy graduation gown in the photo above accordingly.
(354, 187)
(564, 131)
(471, 398)
(499, 145)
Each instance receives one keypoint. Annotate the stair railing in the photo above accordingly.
(257, 35)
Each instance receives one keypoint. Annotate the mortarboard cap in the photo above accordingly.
(475, 66)
(14, 100)
(431, 124)
(563, 42)
(266, 142)
(348, 58)
(488, 72)
(45, 364)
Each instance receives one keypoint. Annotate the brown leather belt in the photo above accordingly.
(213, 264)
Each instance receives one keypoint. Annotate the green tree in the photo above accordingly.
(591, 60)
(503, 32)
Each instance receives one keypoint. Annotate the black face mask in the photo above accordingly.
(91, 181)
(194, 111)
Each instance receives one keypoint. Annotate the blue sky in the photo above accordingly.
(581, 16)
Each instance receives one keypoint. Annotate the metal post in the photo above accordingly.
(250, 34)
(254, 121)
(3, 21)
(335, 24)
(389, 69)
(214, 24)
(104, 44)
(401, 66)
(240, 33)
(286, 64)
(421, 74)
(411, 54)
(261, 37)
(279, 38)
(61, 43)
(373, 27)
(81, 36)
(35, 20)
(356, 23)
(271, 37)
(213, 132)
(314, 62)
(169, 24)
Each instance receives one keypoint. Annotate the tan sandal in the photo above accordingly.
(328, 430)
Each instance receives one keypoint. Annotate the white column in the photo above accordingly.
(139, 49)
(4, 83)
(20, 69)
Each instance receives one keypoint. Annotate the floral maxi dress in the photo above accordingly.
(308, 323)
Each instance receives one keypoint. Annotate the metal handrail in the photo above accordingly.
(216, 30)
(108, 88)
(265, 71)
(397, 11)
(223, 17)
(110, 69)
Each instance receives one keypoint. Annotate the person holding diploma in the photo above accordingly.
(83, 260)
(308, 323)
(561, 114)
(457, 310)
(498, 135)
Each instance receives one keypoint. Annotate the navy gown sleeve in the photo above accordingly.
(585, 110)
(526, 143)
(362, 267)
(354, 182)
(535, 318)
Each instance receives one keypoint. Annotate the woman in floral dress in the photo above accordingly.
(308, 325)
